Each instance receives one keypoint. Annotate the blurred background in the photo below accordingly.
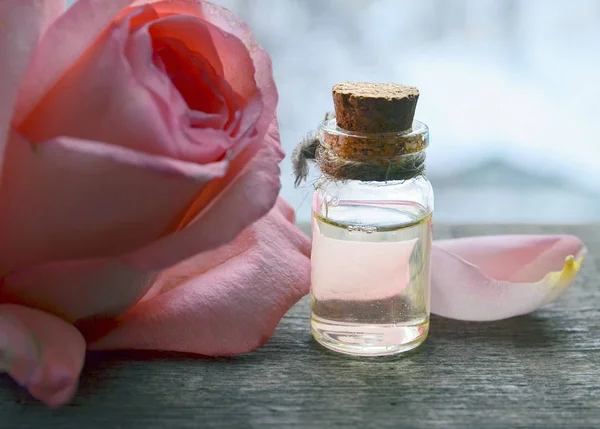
(509, 88)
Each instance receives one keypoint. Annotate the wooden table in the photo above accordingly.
(535, 371)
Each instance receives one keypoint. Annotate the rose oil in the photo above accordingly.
(370, 289)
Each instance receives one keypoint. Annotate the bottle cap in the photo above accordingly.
(367, 107)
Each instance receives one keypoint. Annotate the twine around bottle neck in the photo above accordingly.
(397, 159)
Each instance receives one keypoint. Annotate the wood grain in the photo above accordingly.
(536, 371)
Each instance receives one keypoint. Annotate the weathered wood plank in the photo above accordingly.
(540, 370)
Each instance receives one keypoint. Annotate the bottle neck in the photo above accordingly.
(381, 157)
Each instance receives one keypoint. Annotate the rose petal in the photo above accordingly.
(88, 19)
(143, 106)
(106, 287)
(78, 289)
(192, 41)
(223, 209)
(224, 25)
(195, 135)
(41, 352)
(236, 70)
(69, 198)
(22, 24)
(121, 110)
(188, 28)
(234, 61)
(491, 278)
(223, 302)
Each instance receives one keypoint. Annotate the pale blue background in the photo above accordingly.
(510, 90)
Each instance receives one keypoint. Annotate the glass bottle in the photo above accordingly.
(370, 281)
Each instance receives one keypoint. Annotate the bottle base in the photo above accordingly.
(369, 339)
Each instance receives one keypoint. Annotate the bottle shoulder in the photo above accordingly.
(418, 190)
(374, 203)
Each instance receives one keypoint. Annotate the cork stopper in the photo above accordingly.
(366, 107)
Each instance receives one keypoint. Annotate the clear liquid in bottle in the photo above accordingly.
(371, 277)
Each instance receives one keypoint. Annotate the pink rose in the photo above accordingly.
(134, 136)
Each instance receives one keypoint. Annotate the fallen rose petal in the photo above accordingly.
(222, 302)
(41, 352)
(497, 277)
